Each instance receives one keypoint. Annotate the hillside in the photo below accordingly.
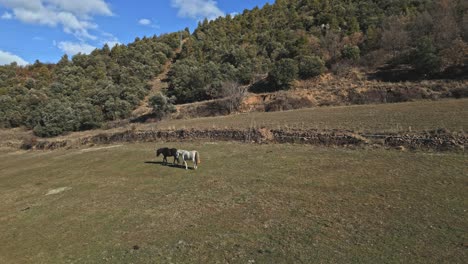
(299, 39)
(83, 92)
(276, 47)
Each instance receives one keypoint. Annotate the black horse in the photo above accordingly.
(167, 152)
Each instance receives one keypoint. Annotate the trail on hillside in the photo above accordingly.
(157, 85)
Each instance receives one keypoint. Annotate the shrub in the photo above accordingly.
(351, 52)
(342, 68)
(284, 102)
(311, 66)
(29, 142)
(56, 118)
(460, 92)
(162, 105)
(234, 94)
(425, 58)
(283, 73)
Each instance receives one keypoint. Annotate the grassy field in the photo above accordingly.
(245, 204)
(417, 116)
(399, 117)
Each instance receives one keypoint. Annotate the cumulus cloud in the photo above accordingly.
(75, 17)
(7, 58)
(83, 8)
(7, 15)
(144, 22)
(197, 9)
(147, 22)
(72, 48)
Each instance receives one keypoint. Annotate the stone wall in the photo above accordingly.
(426, 141)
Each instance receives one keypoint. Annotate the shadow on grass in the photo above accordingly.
(176, 166)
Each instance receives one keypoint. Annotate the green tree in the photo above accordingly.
(283, 73)
(56, 118)
(162, 105)
(351, 52)
(311, 66)
(425, 58)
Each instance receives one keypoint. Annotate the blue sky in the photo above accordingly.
(46, 29)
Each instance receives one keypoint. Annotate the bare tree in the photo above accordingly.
(465, 27)
(455, 54)
(233, 93)
(332, 43)
(445, 29)
(394, 36)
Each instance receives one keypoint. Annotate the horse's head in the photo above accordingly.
(158, 152)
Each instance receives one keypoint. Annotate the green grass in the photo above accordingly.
(416, 116)
(267, 203)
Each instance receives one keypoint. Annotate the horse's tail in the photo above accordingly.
(197, 158)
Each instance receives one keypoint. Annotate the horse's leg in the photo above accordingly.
(186, 167)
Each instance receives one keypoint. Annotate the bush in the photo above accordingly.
(311, 66)
(460, 92)
(425, 58)
(283, 73)
(56, 118)
(233, 93)
(284, 102)
(29, 142)
(351, 52)
(342, 68)
(162, 105)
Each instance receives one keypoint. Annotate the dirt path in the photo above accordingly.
(157, 85)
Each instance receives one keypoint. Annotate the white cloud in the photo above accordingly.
(197, 9)
(83, 7)
(7, 15)
(148, 23)
(144, 22)
(7, 58)
(74, 16)
(72, 48)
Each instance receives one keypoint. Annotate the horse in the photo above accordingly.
(168, 152)
(189, 155)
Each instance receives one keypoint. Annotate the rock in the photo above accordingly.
(400, 148)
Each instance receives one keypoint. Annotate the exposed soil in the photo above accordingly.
(328, 90)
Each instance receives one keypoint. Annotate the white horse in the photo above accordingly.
(189, 155)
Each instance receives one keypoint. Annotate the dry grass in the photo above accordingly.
(399, 117)
(263, 203)
(415, 116)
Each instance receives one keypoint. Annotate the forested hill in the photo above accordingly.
(83, 92)
(301, 38)
(264, 47)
